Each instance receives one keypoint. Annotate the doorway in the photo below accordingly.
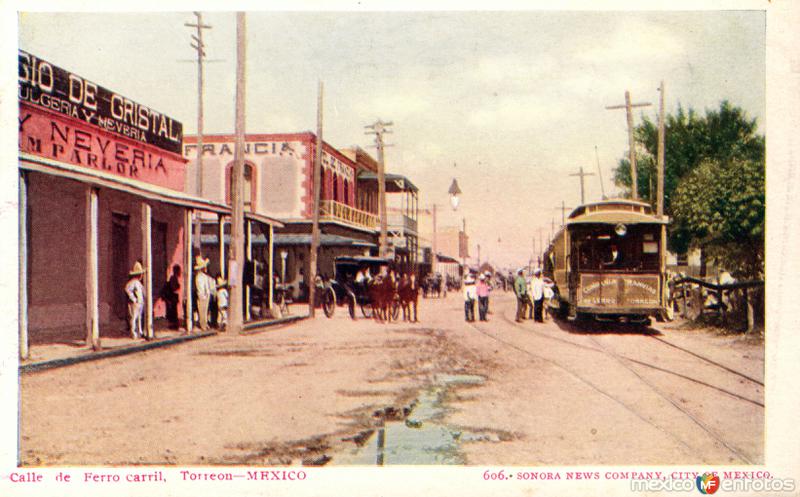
(119, 262)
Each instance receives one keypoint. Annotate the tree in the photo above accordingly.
(721, 136)
(721, 205)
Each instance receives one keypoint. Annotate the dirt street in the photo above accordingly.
(440, 391)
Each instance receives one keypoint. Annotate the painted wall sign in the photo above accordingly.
(618, 290)
(255, 148)
(45, 85)
(59, 138)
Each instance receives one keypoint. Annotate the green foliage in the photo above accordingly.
(722, 207)
(721, 141)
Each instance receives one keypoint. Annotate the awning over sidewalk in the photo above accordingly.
(149, 191)
(324, 240)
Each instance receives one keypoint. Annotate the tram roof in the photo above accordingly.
(615, 211)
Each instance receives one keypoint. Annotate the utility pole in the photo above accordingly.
(582, 174)
(564, 209)
(237, 212)
(199, 46)
(379, 128)
(629, 112)
(312, 263)
(660, 197)
(600, 172)
(479, 257)
(434, 260)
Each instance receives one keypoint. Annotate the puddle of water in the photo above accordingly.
(422, 438)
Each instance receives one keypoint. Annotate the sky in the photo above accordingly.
(508, 102)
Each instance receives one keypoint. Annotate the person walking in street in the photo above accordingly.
(470, 296)
(135, 292)
(202, 284)
(538, 286)
(521, 291)
(222, 303)
(482, 289)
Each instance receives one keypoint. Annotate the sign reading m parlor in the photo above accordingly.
(47, 86)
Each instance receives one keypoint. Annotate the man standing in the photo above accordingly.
(135, 291)
(470, 295)
(202, 284)
(537, 294)
(521, 291)
(483, 289)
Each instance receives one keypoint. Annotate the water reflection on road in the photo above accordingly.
(422, 438)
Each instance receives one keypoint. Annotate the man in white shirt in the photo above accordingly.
(203, 287)
(135, 292)
(537, 295)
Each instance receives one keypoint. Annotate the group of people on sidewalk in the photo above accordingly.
(477, 291)
(531, 295)
(206, 289)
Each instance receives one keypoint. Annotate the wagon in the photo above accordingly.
(344, 290)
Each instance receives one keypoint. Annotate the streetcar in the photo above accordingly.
(607, 263)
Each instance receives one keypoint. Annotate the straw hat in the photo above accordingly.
(482, 277)
(200, 262)
(137, 269)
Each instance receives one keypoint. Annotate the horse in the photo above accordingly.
(408, 290)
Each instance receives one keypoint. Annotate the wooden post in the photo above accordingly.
(631, 142)
(188, 266)
(683, 293)
(271, 266)
(147, 255)
(92, 276)
(434, 262)
(24, 353)
(235, 305)
(748, 301)
(317, 172)
(221, 234)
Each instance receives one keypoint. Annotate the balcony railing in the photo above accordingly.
(330, 209)
(402, 221)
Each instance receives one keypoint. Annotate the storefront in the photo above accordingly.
(100, 189)
(278, 184)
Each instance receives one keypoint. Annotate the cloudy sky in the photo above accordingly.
(510, 103)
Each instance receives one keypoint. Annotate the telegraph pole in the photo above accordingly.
(237, 212)
(629, 112)
(660, 198)
(312, 263)
(582, 174)
(564, 212)
(600, 172)
(379, 128)
(199, 46)
(434, 260)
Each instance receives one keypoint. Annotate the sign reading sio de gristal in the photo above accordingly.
(45, 85)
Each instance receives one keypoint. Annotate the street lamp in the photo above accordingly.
(454, 192)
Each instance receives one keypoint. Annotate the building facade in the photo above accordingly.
(100, 188)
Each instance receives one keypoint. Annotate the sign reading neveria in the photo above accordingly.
(48, 86)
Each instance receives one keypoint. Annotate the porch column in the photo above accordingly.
(92, 284)
(271, 264)
(187, 264)
(248, 254)
(23, 265)
(221, 226)
(147, 259)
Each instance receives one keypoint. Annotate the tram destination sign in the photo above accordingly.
(47, 86)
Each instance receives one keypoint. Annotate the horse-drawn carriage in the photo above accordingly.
(358, 282)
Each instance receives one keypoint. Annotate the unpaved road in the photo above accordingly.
(554, 394)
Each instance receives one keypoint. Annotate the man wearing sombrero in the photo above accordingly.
(202, 285)
(135, 291)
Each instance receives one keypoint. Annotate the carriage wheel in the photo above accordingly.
(366, 310)
(351, 307)
(329, 302)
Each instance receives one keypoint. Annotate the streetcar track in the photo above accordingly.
(602, 349)
(652, 366)
(677, 406)
(625, 406)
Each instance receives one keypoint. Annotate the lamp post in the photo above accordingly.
(454, 191)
